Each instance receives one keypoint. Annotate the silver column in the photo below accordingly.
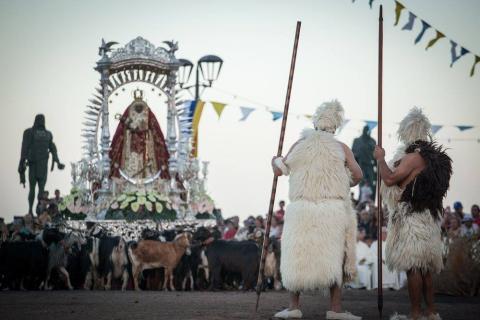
(105, 137)
(172, 129)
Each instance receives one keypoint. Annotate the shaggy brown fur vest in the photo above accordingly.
(429, 188)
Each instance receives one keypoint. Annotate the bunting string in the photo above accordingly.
(457, 51)
(197, 108)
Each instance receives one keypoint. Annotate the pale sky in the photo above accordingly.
(49, 49)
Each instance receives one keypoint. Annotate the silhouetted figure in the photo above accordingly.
(362, 149)
(37, 144)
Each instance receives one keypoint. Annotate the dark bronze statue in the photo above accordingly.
(362, 149)
(37, 144)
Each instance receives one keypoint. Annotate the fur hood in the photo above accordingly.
(329, 116)
(415, 126)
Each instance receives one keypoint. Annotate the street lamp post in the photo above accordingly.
(207, 70)
(208, 67)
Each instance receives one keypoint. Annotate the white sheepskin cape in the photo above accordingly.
(319, 234)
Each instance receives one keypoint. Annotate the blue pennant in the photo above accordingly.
(425, 27)
(411, 21)
(245, 112)
(191, 108)
(371, 124)
(453, 52)
(436, 128)
(276, 115)
(463, 128)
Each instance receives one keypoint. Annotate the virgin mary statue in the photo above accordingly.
(138, 149)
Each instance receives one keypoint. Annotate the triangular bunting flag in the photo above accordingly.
(245, 112)
(191, 107)
(195, 124)
(477, 60)
(276, 115)
(219, 107)
(438, 36)
(436, 128)
(370, 2)
(371, 124)
(453, 52)
(411, 21)
(398, 11)
(463, 128)
(425, 26)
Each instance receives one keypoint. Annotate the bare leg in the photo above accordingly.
(124, 280)
(207, 273)
(184, 283)
(136, 274)
(172, 286)
(166, 276)
(415, 286)
(335, 298)
(46, 286)
(88, 281)
(294, 300)
(191, 281)
(67, 276)
(428, 293)
(21, 285)
(108, 286)
(94, 278)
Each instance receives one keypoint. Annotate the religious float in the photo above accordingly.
(139, 174)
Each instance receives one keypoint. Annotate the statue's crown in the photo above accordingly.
(138, 94)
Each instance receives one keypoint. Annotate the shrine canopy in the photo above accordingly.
(140, 60)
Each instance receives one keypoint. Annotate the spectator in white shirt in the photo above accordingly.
(469, 229)
(366, 192)
(391, 279)
(364, 262)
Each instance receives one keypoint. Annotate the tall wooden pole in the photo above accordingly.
(275, 178)
(379, 196)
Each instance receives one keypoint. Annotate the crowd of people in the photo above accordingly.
(252, 225)
(26, 227)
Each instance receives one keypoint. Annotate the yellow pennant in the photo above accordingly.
(195, 124)
(434, 40)
(398, 10)
(219, 107)
(477, 60)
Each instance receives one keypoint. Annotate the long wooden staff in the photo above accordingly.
(379, 196)
(275, 178)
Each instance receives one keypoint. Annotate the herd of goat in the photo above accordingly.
(196, 259)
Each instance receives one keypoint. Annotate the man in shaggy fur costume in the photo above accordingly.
(414, 185)
(319, 233)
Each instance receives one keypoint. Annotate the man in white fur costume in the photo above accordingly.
(413, 188)
(319, 233)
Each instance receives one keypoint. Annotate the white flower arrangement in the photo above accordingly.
(152, 201)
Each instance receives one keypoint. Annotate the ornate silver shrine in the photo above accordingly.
(138, 61)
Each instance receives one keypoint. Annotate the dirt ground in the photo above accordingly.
(115, 305)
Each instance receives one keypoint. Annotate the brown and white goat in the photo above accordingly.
(150, 254)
